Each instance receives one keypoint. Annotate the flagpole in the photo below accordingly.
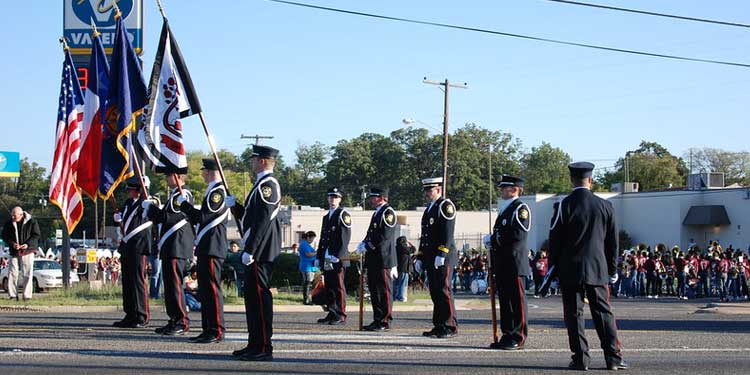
(138, 171)
(161, 9)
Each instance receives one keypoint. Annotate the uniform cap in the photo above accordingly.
(335, 192)
(265, 152)
(508, 180)
(581, 169)
(133, 183)
(429, 183)
(210, 164)
(379, 192)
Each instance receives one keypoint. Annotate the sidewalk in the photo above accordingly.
(418, 305)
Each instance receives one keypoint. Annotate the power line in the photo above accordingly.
(725, 23)
(519, 36)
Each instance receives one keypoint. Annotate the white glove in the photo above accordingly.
(418, 266)
(181, 198)
(118, 217)
(613, 278)
(361, 248)
(332, 259)
(247, 258)
(487, 241)
(439, 261)
(394, 272)
(230, 201)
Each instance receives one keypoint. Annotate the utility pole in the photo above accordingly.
(447, 85)
(256, 137)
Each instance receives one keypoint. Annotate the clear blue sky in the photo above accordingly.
(304, 75)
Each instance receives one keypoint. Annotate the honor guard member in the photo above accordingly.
(210, 248)
(261, 244)
(379, 249)
(134, 248)
(583, 248)
(175, 248)
(335, 233)
(510, 262)
(437, 255)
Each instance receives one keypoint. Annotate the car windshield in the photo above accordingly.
(46, 265)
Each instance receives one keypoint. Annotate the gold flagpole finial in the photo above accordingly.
(94, 33)
(118, 13)
(64, 41)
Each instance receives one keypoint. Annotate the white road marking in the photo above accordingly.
(411, 350)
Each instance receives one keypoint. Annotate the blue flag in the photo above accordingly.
(128, 94)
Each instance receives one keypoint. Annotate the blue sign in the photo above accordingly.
(79, 14)
(10, 164)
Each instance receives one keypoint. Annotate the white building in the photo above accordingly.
(669, 217)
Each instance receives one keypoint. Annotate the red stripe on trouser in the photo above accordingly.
(216, 295)
(386, 279)
(180, 293)
(614, 322)
(262, 317)
(449, 298)
(145, 289)
(342, 296)
(523, 313)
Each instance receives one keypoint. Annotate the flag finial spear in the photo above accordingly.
(118, 13)
(95, 33)
(64, 41)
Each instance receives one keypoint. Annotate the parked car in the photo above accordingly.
(47, 274)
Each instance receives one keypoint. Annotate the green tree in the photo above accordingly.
(734, 165)
(468, 166)
(545, 170)
(651, 165)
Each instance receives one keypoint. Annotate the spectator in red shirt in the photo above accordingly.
(539, 268)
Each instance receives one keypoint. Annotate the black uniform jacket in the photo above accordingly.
(438, 223)
(510, 254)
(136, 230)
(175, 232)
(335, 233)
(211, 230)
(583, 239)
(380, 241)
(261, 227)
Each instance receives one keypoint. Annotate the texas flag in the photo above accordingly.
(95, 98)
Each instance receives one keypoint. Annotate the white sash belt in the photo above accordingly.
(171, 231)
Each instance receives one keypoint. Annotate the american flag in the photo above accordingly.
(63, 191)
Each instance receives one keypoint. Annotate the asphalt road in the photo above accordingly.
(664, 336)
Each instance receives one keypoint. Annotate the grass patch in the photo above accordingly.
(108, 295)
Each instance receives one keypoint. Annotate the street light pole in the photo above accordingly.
(447, 86)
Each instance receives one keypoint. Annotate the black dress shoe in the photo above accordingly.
(175, 331)
(121, 323)
(378, 327)
(336, 322)
(621, 365)
(430, 333)
(511, 346)
(160, 330)
(209, 339)
(135, 324)
(257, 357)
(446, 334)
(574, 365)
(325, 320)
(199, 337)
(243, 351)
